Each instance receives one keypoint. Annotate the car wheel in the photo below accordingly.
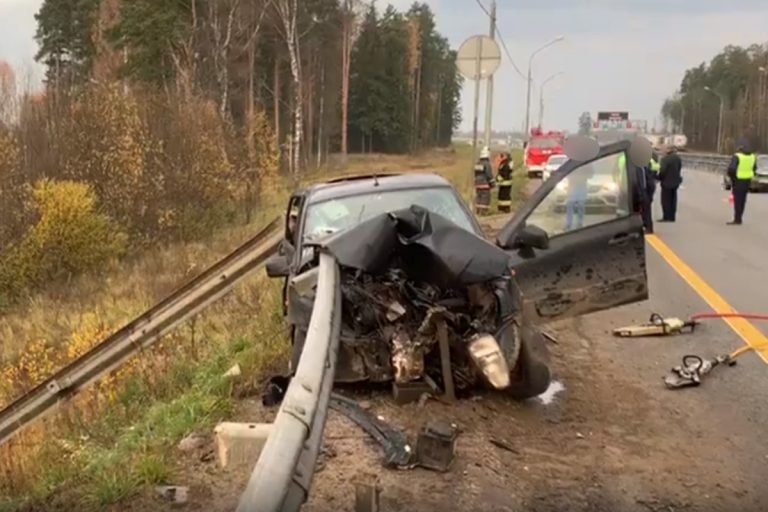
(531, 376)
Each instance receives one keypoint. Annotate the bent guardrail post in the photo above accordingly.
(282, 476)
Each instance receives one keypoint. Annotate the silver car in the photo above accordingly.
(553, 163)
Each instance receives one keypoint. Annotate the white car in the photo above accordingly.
(553, 163)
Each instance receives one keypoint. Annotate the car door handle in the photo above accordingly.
(623, 238)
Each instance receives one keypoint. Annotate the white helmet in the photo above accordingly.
(485, 152)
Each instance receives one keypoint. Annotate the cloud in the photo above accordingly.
(17, 31)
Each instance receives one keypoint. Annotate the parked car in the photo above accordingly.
(411, 254)
(554, 162)
(759, 182)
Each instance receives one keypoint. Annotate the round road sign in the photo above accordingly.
(479, 57)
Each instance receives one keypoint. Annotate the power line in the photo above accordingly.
(503, 44)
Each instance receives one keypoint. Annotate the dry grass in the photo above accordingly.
(119, 435)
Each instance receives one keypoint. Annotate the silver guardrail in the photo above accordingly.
(705, 161)
(281, 479)
(142, 332)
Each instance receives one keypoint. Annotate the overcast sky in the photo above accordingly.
(617, 54)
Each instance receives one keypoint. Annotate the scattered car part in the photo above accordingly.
(656, 326)
(367, 497)
(445, 360)
(173, 493)
(397, 450)
(409, 392)
(274, 391)
(436, 446)
(695, 367)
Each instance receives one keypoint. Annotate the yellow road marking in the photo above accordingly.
(748, 332)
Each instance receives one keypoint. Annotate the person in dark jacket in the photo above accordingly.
(504, 182)
(643, 195)
(483, 182)
(741, 170)
(670, 177)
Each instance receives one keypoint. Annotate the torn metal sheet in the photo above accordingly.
(430, 247)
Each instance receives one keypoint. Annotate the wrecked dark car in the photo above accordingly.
(418, 274)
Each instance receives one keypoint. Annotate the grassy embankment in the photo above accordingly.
(120, 435)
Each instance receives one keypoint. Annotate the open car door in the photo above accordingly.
(577, 245)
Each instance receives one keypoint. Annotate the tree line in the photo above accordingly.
(164, 119)
(737, 77)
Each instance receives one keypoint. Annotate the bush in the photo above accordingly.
(69, 237)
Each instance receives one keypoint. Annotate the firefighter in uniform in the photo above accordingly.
(741, 171)
(504, 182)
(483, 182)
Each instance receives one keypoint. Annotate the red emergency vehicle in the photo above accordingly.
(542, 145)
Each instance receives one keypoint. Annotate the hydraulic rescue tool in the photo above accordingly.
(656, 326)
(695, 367)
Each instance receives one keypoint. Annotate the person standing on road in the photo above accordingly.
(741, 171)
(671, 177)
(483, 182)
(504, 181)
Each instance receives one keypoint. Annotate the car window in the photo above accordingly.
(346, 212)
(591, 194)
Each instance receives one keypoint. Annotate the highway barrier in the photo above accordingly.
(282, 477)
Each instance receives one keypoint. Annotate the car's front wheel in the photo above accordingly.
(531, 375)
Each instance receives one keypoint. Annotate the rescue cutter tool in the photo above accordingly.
(656, 326)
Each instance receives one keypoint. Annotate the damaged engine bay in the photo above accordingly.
(424, 300)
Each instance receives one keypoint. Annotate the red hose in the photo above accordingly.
(747, 316)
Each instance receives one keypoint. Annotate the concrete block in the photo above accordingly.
(240, 444)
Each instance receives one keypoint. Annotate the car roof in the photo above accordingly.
(361, 184)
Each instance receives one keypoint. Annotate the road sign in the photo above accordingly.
(479, 57)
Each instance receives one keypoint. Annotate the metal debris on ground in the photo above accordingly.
(367, 496)
(694, 367)
(504, 445)
(398, 452)
(436, 445)
(656, 326)
(418, 291)
(174, 494)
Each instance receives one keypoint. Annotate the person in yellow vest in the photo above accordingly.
(741, 171)
(504, 182)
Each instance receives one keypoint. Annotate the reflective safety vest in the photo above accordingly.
(622, 170)
(746, 168)
(655, 165)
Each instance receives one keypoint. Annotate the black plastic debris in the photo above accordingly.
(398, 452)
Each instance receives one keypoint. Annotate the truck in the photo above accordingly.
(541, 145)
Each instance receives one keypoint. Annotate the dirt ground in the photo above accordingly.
(601, 444)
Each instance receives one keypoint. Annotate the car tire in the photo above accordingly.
(531, 376)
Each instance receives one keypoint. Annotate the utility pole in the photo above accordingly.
(489, 90)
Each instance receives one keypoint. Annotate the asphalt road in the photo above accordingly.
(727, 416)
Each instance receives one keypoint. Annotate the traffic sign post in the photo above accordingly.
(478, 58)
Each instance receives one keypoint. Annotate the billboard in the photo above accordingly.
(612, 121)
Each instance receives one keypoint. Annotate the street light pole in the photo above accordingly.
(720, 119)
(541, 97)
(528, 93)
(489, 90)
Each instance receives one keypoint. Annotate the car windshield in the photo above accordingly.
(544, 143)
(346, 212)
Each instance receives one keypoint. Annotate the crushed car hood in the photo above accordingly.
(430, 249)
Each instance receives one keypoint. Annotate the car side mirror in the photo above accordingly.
(532, 237)
(278, 265)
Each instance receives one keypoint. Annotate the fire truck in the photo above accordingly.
(541, 145)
